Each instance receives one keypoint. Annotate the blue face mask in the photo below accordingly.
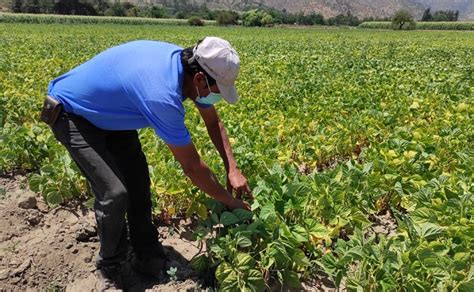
(211, 99)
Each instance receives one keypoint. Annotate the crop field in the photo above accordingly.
(358, 145)
(423, 25)
(80, 19)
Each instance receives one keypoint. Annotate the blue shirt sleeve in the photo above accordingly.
(168, 122)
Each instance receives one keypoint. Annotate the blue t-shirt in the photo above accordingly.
(130, 86)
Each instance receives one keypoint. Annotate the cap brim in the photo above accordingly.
(229, 92)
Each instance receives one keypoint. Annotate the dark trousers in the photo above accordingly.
(116, 168)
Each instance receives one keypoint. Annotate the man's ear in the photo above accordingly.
(198, 81)
(198, 77)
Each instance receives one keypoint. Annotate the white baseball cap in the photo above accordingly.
(221, 62)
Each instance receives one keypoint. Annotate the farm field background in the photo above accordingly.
(335, 129)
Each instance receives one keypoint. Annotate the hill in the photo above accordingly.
(465, 7)
(329, 8)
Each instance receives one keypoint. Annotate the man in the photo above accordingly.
(134, 85)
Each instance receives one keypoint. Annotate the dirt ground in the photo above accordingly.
(53, 249)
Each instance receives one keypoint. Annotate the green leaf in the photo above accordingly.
(214, 218)
(423, 214)
(200, 263)
(253, 227)
(228, 218)
(230, 283)
(53, 197)
(430, 262)
(278, 252)
(300, 234)
(356, 253)
(35, 182)
(48, 170)
(242, 214)
(338, 176)
(467, 286)
(202, 211)
(398, 188)
(90, 203)
(223, 271)
(462, 256)
(319, 231)
(300, 259)
(367, 167)
(440, 249)
(361, 219)
(255, 280)
(431, 231)
(267, 211)
(217, 250)
(244, 261)
(291, 279)
(243, 241)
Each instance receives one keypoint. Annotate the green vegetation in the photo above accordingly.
(459, 25)
(440, 15)
(403, 20)
(227, 18)
(195, 21)
(335, 128)
(79, 19)
(467, 25)
(257, 18)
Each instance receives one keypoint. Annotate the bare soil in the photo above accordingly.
(54, 249)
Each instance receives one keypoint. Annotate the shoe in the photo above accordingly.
(116, 278)
(109, 279)
(152, 266)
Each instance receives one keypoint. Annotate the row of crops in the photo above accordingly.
(336, 130)
(79, 19)
(438, 25)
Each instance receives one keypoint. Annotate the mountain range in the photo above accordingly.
(329, 8)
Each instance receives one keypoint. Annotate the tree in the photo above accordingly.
(403, 19)
(31, 6)
(227, 18)
(117, 9)
(46, 6)
(74, 7)
(257, 17)
(317, 18)
(195, 21)
(157, 12)
(16, 5)
(446, 15)
(267, 19)
(427, 15)
(100, 6)
(342, 19)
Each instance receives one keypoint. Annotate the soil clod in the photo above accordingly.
(27, 201)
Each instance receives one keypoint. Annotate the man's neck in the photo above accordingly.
(188, 89)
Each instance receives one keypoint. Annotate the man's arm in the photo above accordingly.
(202, 177)
(217, 133)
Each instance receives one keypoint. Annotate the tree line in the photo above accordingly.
(180, 10)
(440, 15)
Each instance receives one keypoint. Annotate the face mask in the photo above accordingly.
(210, 99)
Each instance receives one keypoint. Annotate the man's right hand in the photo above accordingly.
(238, 204)
(202, 176)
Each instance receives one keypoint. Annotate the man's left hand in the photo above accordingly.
(237, 182)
